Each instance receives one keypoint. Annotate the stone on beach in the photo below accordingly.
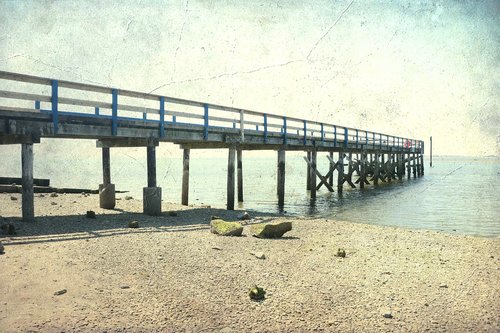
(90, 214)
(224, 228)
(60, 292)
(2, 248)
(244, 216)
(271, 230)
(258, 255)
(133, 224)
(257, 293)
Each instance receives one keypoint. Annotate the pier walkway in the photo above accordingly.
(32, 108)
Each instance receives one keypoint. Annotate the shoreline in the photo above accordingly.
(172, 274)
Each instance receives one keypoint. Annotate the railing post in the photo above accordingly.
(96, 110)
(346, 137)
(242, 125)
(205, 118)
(322, 134)
(387, 141)
(284, 131)
(37, 105)
(334, 135)
(305, 132)
(380, 137)
(162, 117)
(55, 105)
(114, 112)
(174, 119)
(373, 134)
(357, 138)
(265, 128)
(366, 138)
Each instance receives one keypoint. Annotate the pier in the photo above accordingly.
(32, 108)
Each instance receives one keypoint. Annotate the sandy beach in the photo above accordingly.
(69, 273)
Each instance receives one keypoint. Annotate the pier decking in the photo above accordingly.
(33, 107)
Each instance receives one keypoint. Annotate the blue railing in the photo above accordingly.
(212, 116)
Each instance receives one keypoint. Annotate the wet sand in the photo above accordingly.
(173, 275)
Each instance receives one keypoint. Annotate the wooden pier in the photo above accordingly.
(32, 108)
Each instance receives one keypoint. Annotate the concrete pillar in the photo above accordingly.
(281, 178)
(107, 192)
(28, 198)
(151, 195)
(151, 200)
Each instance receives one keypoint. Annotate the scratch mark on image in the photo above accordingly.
(329, 29)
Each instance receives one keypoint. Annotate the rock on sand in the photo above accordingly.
(224, 228)
(271, 230)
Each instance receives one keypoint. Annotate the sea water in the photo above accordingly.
(457, 195)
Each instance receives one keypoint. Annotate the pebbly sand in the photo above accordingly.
(173, 275)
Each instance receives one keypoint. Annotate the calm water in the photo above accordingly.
(457, 195)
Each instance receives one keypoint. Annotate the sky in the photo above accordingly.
(406, 68)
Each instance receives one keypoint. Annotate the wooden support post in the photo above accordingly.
(389, 169)
(185, 177)
(376, 169)
(340, 170)
(382, 170)
(421, 164)
(281, 177)
(362, 170)
(400, 166)
(403, 168)
(414, 164)
(28, 198)
(106, 167)
(408, 166)
(330, 179)
(312, 174)
(308, 174)
(107, 199)
(151, 159)
(151, 195)
(240, 174)
(230, 178)
(418, 165)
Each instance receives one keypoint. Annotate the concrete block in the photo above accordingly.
(107, 197)
(151, 201)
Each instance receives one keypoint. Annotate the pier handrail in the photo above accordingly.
(265, 123)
